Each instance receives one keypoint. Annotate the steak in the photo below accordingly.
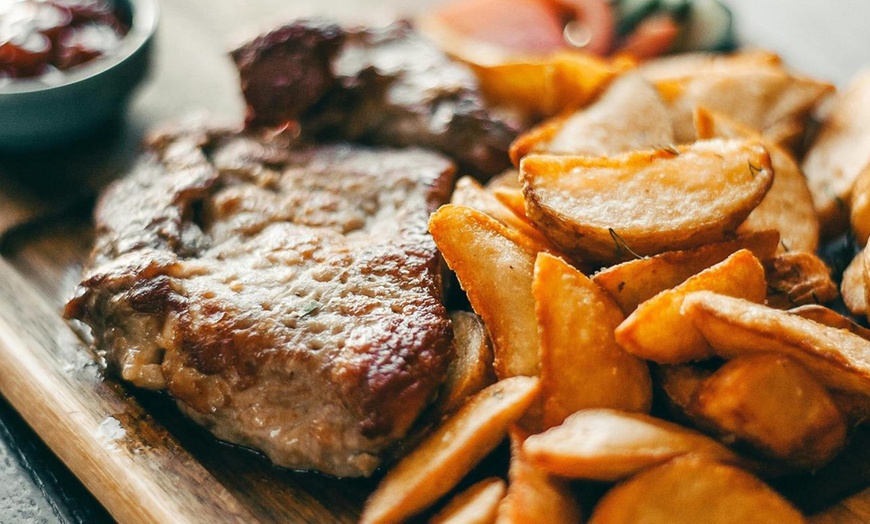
(288, 299)
(386, 86)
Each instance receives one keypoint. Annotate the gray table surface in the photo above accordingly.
(829, 39)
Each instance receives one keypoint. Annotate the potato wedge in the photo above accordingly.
(604, 210)
(682, 65)
(678, 384)
(831, 318)
(734, 327)
(796, 279)
(608, 445)
(582, 366)
(471, 368)
(772, 403)
(636, 281)
(689, 490)
(534, 495)
(859, 214)
(513, 199)
(839, 154)
(629, 116)
(545, 86)
(435, 466)
(657, 331)
(788, 206)
(509, 179)
(476, 505)
(470, 193)
(853, 287)
(494, 266)
(760, 95)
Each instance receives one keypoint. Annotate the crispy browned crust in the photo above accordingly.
(288, 299)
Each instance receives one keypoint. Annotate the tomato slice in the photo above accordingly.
(654, 36)
(522, 26)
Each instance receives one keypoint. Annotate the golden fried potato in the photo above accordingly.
(605, 444)
(535, 495)
(831, 318)
(471, 368)
(734, 327)
(636, 281)
(678, 384)
(689, 490)
(657, 331)
(672, 67)
(839, 154)
(545, 86)
(508, 179)
(494, 266)
(772, 403)
(788, 206)
(582, 366)
(796, 279)
(629, 116)
(476, 505)
(605, 210)
(470, 193)
(760, 95)
(856, 408)
(859, 215)
(853, 287)
(435, 466)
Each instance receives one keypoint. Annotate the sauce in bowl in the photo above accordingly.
(42, 38)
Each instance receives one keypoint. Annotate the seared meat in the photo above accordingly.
(288, 299)
(387, 86)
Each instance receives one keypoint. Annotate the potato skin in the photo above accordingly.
(774, 404)
(609, 209)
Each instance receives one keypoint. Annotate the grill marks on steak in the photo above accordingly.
(385, 85)
(289, 300)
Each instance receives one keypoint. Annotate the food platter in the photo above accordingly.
(148, 463)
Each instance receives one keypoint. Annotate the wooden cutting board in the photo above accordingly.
(141, 459)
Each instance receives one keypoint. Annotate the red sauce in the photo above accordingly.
(38, 38)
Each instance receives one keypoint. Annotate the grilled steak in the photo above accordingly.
(387, 86)
(288, 299)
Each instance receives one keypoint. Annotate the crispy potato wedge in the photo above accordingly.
(853, 287)
(839, 154)
(604, 209)
(761, 95)
(582, 366)
(545, 86)
(865, 258)
(657, 331)
(678, 384)
(636, 281)
(831, 318)
(535, 495)
(734, 327)
(476, 505)
(470, 193)
(513, 199)
(608, 445)
(689, 490)
(471, 369)
(788, 206)
(509, 179)
(629, 116)
(494, 266)
(435, 466)
(859, 214)
(796, 279)
(682, 65)
(772, 403)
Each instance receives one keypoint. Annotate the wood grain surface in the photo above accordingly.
(141, 459)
